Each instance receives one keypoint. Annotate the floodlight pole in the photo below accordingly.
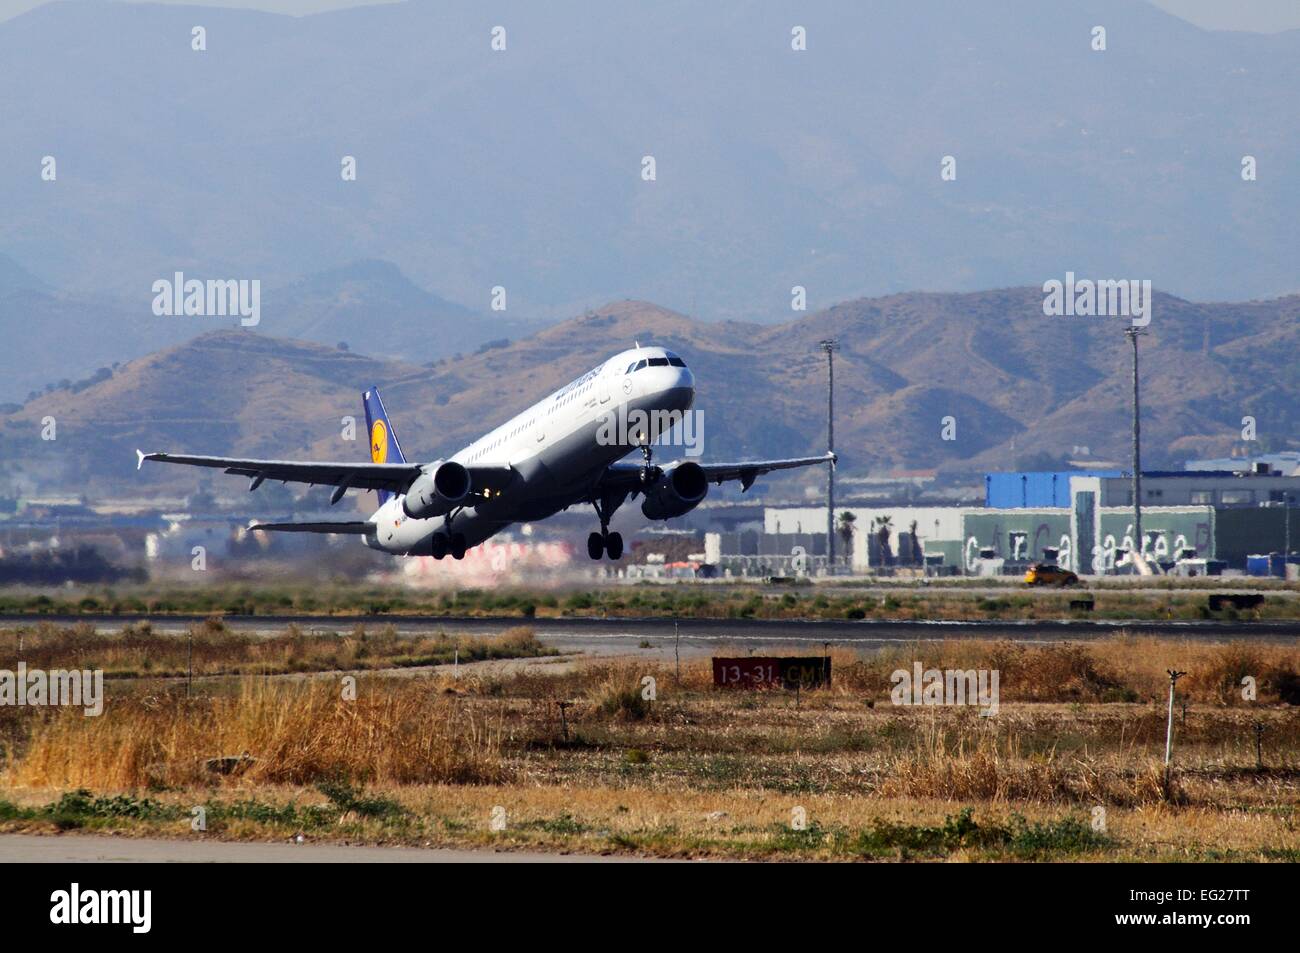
(1286, 554)
(1133, 335)
(830, 346)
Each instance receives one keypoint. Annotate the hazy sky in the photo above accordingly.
(1266, 16)
(10, 8)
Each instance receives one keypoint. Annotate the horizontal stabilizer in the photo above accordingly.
(354, 528)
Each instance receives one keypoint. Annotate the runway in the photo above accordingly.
(693, 637)
(99, 849)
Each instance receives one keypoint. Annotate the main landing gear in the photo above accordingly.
(598, 544)
(443, 544)
(605, 542)
(453, 545)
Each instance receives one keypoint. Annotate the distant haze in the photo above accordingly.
(498, 189)
(11, 8)
(775, 168)
(1264, 16)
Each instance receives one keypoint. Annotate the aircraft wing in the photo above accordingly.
(350, 528)
(747, 472)
(627, 474)
(394, 477)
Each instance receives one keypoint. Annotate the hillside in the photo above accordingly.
(52, 335)
(1024, 389)
(374, 307)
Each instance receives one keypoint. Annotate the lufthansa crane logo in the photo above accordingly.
(378, 442)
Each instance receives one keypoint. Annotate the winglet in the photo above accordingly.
(139, 458)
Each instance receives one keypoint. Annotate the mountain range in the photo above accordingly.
(54, 337)
(1021, 389)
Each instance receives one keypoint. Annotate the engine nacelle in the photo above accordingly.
(677, 491)
(436, 492)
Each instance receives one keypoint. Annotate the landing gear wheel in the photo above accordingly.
(614, 545)
(595, 545)
(458, 546)
(438, 545)
(647, 456)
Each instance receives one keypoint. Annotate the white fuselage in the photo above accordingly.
(556, 450)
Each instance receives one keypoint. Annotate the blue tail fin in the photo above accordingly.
(384, 447)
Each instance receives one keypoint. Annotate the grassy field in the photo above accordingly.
(1069, 769)
(939, 600)
(135, 650)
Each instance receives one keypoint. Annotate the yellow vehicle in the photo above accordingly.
(1043, 575)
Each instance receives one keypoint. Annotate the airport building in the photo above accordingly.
(1286, 463)
(1194, 522)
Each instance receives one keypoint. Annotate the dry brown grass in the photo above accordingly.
(1119, 669)
(1123, 668)
(649, 775)
(1052, 748)
(395, 731)
(976, 763)
(136, 650)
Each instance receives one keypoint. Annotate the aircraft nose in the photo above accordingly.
(679, 391)
(672, 387)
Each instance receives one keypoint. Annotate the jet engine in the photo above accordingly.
(437, 491)
(678, 490)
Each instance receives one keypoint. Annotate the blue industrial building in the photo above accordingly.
(1036, 489)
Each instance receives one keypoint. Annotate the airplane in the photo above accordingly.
(558, 453)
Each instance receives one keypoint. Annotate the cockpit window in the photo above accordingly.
(658, 362)
(639, 365)
(630, 368)
(676, 361)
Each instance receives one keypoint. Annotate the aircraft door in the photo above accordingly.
(605, 382)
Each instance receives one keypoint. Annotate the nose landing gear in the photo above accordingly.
(647, 464)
